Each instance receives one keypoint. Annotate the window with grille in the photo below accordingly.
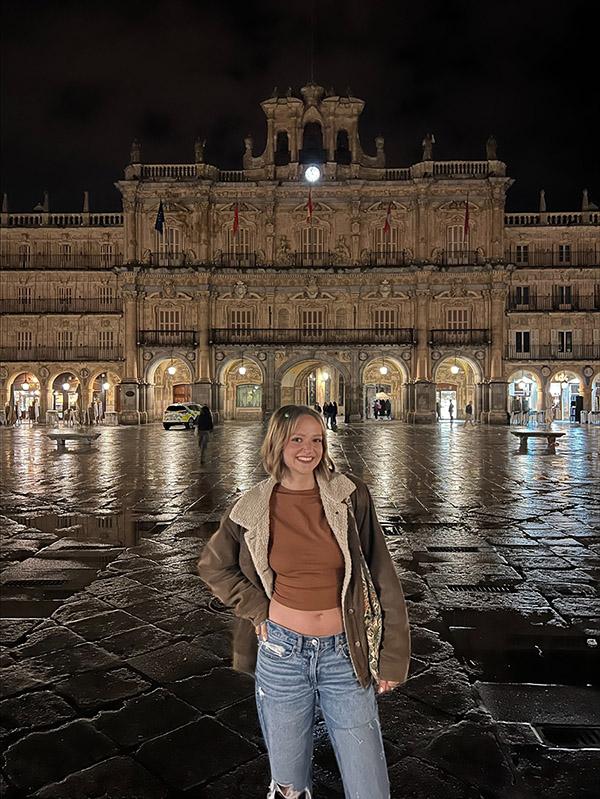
(106, 295)
(313, 241)
(457, 318)
(455, 238)
(312, 319)
(384, 318)
(106, 339)
(240, 244)
(106, 254)
(522, 254)
(24, 254)
(65, 294)
(386, 242)
(65, 339)
(169, 319)
(24, 295)
(522, 340)
(521, 295)
(240, 318)
(565, 340)
(169, 245)
(564, 253)
(65, 251)
(563, 295)
(24, 339)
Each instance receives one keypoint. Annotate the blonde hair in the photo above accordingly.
(281, 427)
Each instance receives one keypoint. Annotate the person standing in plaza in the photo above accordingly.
(302, 561)
(333, 413)
(204, 426)
(469, 415)
(438, 411)
(451, 411)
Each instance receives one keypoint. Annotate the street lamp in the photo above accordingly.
(242, 370)
(25, 386)
(66, 386)
(454, 369)
(105, 385)
(325, 375)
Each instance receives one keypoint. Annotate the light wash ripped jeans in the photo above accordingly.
(294, 674)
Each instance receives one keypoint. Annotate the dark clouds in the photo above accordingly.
(81, 80)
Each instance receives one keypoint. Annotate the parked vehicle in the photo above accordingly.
(181, 413)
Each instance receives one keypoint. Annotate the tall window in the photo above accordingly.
(65, 339)
(521, 295)
(563, 295)
(248, 396)
(457, 318)
(24, 295)
(384, 318)
(564, 253)
(106, 295)
(522, 341)
(65, 252)
(24, 339)
(24, 255)
(65, 294)
(312, 319)
(240, 319)
(455, 243)
(106, 339)
(169, 319)
(522, 254)
(282, 148)
(241, 243)
(106, 254)
(169, 246)
(565, 341)
(342, 148)
(386, 242)
(313, 239)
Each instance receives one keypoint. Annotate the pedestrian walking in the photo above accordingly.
(317, 408)
(333, 412)
(388, 408)
(204, 425)
(469, 415)
(325, 412)
(376, 408)
(301, 558)
(451, 411)
(438, 411)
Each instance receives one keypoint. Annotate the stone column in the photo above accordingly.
(498, 386)
(270, 394)
(129, 386)
(201, 391)
(423, 390)
(354, 410)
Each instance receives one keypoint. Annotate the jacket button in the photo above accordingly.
(357, 644)
(350, 610)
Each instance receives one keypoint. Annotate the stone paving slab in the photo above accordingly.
(134, 669)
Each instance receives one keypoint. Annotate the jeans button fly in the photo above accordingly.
(314, 642)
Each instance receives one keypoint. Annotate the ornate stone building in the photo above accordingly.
(263, 287)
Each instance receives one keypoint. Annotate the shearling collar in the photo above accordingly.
(253, 506)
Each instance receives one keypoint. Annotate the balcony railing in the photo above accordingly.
(57, 261)
(237, 260)
(554, 303)
(167, 338)
(398, 335)
(313, 259)
(459, 338)
(461, 258)
(389, 258)
(547, 258)
(173, 259)
(80, 353)
(552, 352)
(54, 305)
(77, 219)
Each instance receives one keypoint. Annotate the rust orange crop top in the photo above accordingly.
(306, 560)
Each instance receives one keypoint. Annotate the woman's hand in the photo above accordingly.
(386, 685)
(261, 631)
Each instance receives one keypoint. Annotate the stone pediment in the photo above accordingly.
(457, 292)
(382, 206)
(318, 206)
(457, 205)
(243, 208)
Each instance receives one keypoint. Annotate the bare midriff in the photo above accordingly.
(307, 622)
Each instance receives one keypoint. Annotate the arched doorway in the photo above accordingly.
(169, 381)
(242, 390)
(565, 393)
(24, 398)
(384, 380)
(104, 393)
(456, 384)
(66, 394)
(315, 382)
(524, 393)
(596, 394)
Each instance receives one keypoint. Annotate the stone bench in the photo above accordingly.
(550, 437)
(71, 435)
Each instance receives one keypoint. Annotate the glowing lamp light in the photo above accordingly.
(25, 386)
(66, 386)
(242, 370)
(105, 386)
(521, 384)
(312, 174)
(325, 375)
(171, 369)
(454, 369)
(383, 370)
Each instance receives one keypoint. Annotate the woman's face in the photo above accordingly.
(304, 449)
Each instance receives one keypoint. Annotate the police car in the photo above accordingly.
(183, 413)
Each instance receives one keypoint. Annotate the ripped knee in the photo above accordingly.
(279, 791)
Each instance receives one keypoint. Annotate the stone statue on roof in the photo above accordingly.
(491, 148)
(427, 145)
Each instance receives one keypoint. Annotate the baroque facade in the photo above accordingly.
(412, 284)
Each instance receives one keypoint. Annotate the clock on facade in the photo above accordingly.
(312, 173)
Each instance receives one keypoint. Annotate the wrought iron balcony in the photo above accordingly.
(318, 259)
(552, 352)
(54, 305)
(461, 258)
(78, 353)
(556, 302)
(547, 258)
(167, 338)
(447, 337)
(389, 258)
(237, 260)
(57, 261)
(279, 336)
(172, 259)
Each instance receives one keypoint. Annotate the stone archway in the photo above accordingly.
(241, 389)
(595, 398)
(23, 397)
(102, 388)
(458, 380)
(564, 385)
(385, 378)
(525, 392)
(168, 380)
(314, 381)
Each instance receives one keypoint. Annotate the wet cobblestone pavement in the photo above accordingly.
(115, 659)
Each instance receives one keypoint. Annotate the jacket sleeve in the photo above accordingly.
(394, 653)
(219, 568)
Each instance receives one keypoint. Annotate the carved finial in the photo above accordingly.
(5, 203)
(86, 202)
(491, 148)
(427, 145)
(135, 155)
(288, 91)
(248, 143)
(274, 93)
(379, 142)
(199, 146)
(542, 201)
(585, 200)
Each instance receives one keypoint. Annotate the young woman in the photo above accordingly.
(303, 562)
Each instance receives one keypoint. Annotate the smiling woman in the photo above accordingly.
(301, 557)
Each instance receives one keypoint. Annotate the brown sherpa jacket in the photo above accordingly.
(234, 564)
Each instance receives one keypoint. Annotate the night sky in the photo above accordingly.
(80, 80)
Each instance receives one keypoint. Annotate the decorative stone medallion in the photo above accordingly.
(44, 372)
(588, 371)
(262, 356)
(480, 355)
(362, 356)
(191, 356)
(435, 355)
(545, 370)
(147, 355)
(219, 356)
(406, 355)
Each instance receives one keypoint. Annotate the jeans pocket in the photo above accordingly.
(344, 651)
(277, 650)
